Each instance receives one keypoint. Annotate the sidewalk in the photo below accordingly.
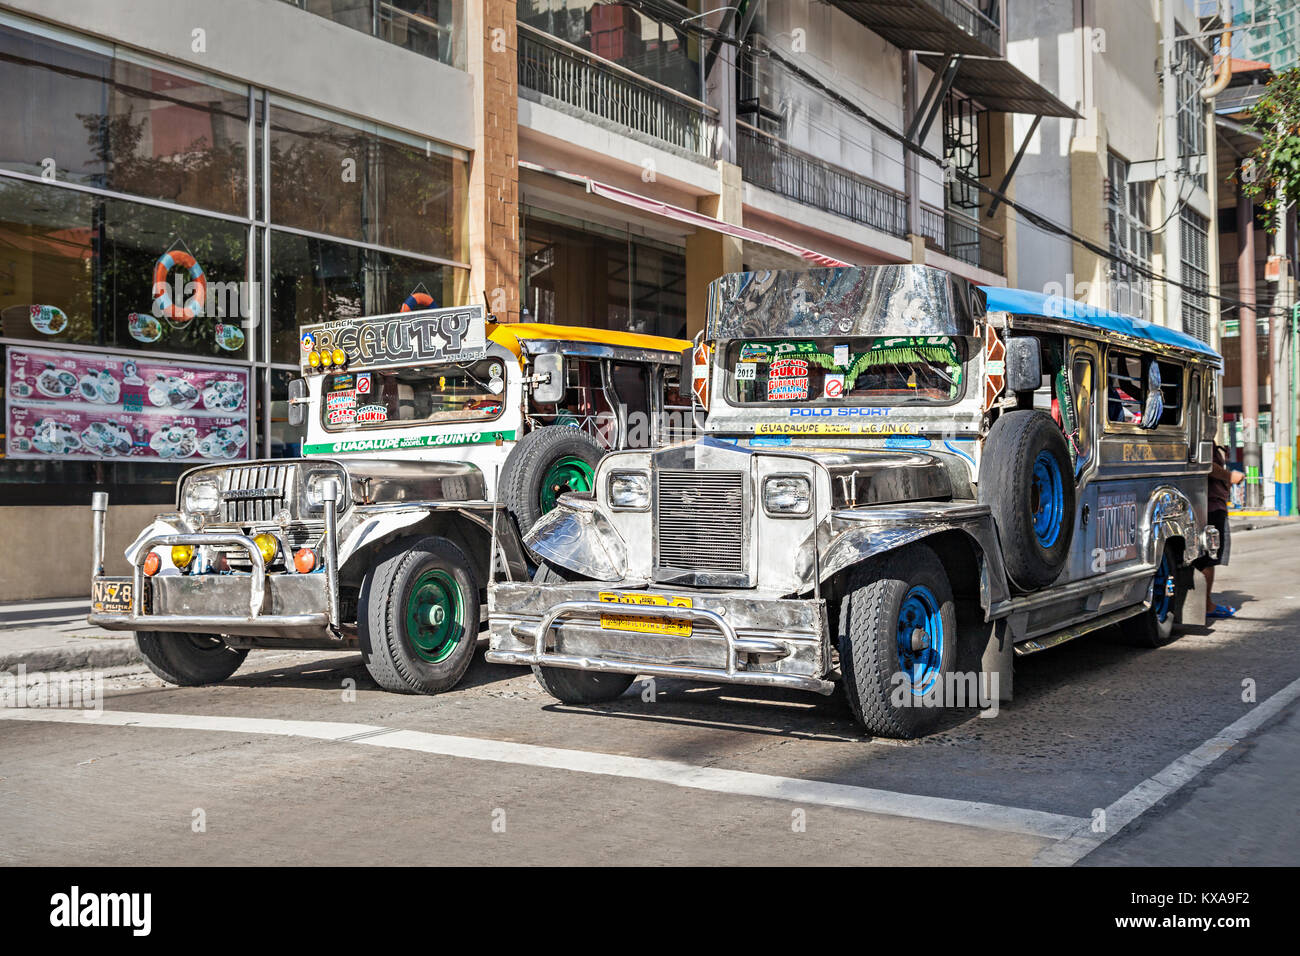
(1251, 520)
(53, 636)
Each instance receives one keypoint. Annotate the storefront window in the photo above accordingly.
(313, 280)
(574, 276)
(432, 28)
(117, 125)
(76, 268)
(339, 180)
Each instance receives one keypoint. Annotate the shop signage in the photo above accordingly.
(403, 338)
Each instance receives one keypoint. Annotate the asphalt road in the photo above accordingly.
(299, 758)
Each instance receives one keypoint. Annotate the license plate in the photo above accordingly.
(641, 623)
(111, 595)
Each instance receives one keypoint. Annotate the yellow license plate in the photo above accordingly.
(645, 624)
(111, 595)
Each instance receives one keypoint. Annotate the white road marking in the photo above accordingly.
(1172, 778)
(987, 816)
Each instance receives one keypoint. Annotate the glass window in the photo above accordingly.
(81, 269)
(469, 392)
(883, 371)
(121, 126)
(286, 440)
(313, 280)
(432, 28)
(1130, 379)
(342, 181)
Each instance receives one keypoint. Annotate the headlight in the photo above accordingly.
(629, 491)
(202, 496)
(788, 495)
(316, 500)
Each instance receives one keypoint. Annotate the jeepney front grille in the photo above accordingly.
(701, 520)
(295, 535)
(255, 492)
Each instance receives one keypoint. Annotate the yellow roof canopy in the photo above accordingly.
(509, 335)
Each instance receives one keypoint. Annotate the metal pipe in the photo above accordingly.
(99, 513)
(257, 591)
(1225, 47)
(1252, 460)
(329, 492)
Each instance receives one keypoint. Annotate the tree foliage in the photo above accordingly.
(1273, 168)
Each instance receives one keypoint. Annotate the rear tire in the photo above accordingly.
(566, 684)
(188, 660)
(1154, 627)
(890, 671)
(546, 463)
(418, 616)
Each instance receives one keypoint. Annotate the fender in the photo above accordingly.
(376, 528)
(575, 535)
(163, 524)
(1170, 514)
(858, 544)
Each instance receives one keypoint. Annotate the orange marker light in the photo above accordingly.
(305, 560)
(152, 563)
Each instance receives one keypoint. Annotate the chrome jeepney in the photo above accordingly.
(903, 482)
(432, 438)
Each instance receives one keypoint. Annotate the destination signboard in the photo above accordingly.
(429, 336)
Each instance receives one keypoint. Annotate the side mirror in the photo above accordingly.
(1024, 364)
(548, 370)
(297, 402)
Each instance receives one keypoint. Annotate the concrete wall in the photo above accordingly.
(46, 550)
(277, 46)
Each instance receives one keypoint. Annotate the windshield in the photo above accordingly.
(918, 370)
(471, 392)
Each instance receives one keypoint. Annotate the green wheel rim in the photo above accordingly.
(569, 473)
(435, 616)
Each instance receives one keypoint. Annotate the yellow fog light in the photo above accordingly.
(182, 555)
(267, 544)
(340, 357)
(326, 358)
(314, 359)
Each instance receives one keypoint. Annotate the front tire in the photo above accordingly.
(897, 642)
(188, 660)
(566, 684)
(1154, 627)
(418, 616)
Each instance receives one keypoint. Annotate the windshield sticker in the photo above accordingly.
(795, 348)
(409, 441)
(834, 386)
(371, 414)
(363, 383)
(835, 428)
(841, 355)
(746, 371)
(755, 352)
(787, 380)
(341, 407)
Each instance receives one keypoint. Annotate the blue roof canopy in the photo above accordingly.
(1024, 302)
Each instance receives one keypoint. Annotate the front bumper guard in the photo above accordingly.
(736, 646)
(251, 622)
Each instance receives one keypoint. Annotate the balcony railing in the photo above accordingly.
(980, 20)
(962, 238)
(768, 163)
(433, 30)
(573, 76)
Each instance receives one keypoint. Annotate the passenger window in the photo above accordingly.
(1139, 388)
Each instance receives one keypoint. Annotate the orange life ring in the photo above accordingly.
(418, 300)
(162, 296)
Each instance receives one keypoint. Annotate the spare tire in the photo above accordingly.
(546, 463)
(1027, 481)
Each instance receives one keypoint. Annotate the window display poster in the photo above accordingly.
(84, 405)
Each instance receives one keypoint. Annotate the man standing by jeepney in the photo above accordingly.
(1220, 479)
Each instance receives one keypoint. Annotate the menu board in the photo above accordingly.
(82, 405)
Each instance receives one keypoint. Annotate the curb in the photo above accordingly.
(83, 655)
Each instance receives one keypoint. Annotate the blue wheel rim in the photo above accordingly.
(1162, 601)
(920, 611)
(1048, 499)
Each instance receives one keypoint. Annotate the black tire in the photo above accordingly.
(188, 660)
(1022, 453)
(570, 686)
(525, 472)
(869, 621)
(408, 574)
(1154, 627)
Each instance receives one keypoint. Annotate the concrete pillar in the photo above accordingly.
(493, 229)
(1088, 171)
(1001, 151)
(1252, 458)
(711, 254)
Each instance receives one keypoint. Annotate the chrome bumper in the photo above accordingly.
(253, 604)
(734, 639)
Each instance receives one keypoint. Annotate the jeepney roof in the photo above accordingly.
(1090, 317)
(529, 337)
